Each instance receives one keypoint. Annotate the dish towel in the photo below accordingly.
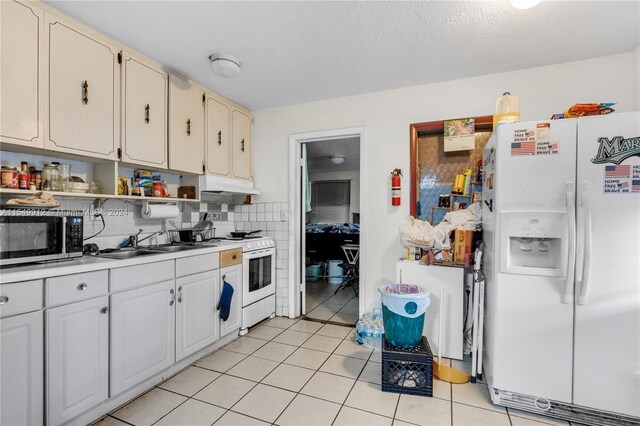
(224, 304)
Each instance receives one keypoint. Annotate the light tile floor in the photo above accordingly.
(323, 305)
(315, 375)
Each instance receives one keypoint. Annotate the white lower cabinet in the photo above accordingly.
(142, 334)
(233, 276)
(77, 358)
(21, 372)
(196, 316)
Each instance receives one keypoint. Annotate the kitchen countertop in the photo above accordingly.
(93, 263)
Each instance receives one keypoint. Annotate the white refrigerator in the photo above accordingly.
(561, 225)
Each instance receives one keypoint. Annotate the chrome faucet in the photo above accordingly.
(137, 240)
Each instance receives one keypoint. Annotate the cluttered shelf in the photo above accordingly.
(11, 192)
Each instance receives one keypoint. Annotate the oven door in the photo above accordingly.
(259, 275)
(31, 238)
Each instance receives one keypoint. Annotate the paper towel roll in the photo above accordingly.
(159, 211)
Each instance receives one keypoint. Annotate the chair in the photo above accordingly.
(351, 277)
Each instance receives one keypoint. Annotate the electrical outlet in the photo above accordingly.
(284, 215)
(95, 212)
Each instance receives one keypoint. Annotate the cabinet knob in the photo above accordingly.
(234, 257)
(104, 310)
(4, 299)
(82, 286)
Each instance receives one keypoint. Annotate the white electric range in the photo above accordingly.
(258, 278)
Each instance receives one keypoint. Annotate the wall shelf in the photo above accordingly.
(10, 192)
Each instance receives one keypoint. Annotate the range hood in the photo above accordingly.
(226, 186)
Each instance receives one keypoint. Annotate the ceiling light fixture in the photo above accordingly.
(337, 159)
(524, 4)
(226, 66)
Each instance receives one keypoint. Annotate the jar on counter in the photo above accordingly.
(157, 190)
(35, 179)
(50, 177)
(9, 177)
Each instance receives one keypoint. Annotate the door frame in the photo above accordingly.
(295, 211)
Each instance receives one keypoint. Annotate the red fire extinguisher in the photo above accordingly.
(396, 185)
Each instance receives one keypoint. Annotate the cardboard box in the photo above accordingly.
(463, 246)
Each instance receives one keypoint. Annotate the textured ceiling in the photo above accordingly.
(319, 152)
(294, 52)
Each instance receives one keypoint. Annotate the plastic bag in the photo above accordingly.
(417, 233)
(369, 329)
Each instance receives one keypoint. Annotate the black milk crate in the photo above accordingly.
(407, 370)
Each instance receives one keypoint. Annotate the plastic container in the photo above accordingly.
(336, 274)
(369, 329)
(403, 311)
(314, 272)
(507, 109)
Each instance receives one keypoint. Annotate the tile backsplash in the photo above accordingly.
(123, 218)
(273, 220)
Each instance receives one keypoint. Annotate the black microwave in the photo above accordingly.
(39, 235)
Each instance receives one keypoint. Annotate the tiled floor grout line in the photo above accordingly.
(367, 360)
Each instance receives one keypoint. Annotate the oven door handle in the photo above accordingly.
(259, 253)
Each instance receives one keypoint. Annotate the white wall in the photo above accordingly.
(386, 117)
(635, 75)
(354, 186)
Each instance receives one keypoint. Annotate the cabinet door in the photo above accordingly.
(142, 334)
(435, 279)
(241, 144)
(21, 375)
(77, 361)
(84, 84)
(20, 42)
(217, 142)
(232, 275)
(196, 316)
(144, 113)
(186, 126)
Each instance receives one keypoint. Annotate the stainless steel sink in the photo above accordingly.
(171, 249)
(126, 254)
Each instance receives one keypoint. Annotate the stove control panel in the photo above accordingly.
(259, 244)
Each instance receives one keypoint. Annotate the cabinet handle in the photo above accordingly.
(146, 113)
(82, 286)
(180, 294)
(234, 257)
(173, 297)
(104, 310)
(4, 299)
(242, 145)
(223, 277)
(219, 137)
(85, 92)
(188, 127)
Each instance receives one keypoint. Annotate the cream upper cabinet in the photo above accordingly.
(144, 113)
(217, 137)
(241, 134)
(186, 126)
(20, 74)
(83, 92)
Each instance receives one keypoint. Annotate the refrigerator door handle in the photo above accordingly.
(571, 253)
(586, 211)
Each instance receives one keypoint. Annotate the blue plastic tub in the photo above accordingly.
(403, 311)
(314, 272)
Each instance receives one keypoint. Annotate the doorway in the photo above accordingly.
(326, 248)
(332, 230)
